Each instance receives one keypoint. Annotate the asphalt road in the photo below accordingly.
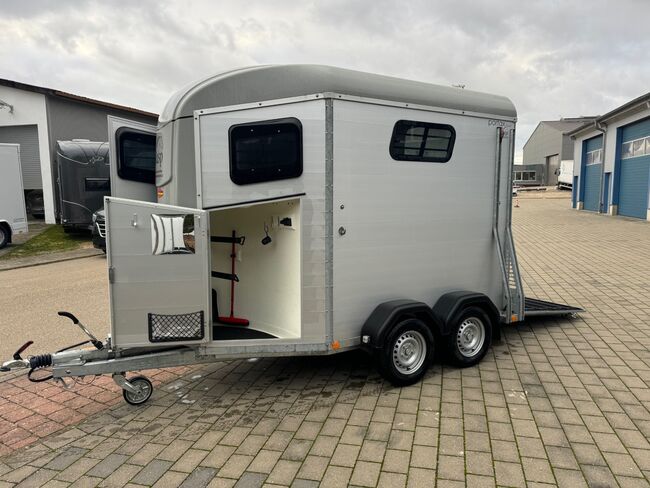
(31, 297)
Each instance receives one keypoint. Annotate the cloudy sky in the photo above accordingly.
(553, 58)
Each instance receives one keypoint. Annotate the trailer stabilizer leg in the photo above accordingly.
(136, 391)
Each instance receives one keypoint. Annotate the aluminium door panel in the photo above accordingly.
(132, 149)
(158, 260)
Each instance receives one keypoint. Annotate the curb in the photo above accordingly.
(49, 259)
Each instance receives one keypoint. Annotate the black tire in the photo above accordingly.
(4, 236)
(401, 343)
(146, 387)
(466, 326)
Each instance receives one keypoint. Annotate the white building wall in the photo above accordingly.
(30, 109)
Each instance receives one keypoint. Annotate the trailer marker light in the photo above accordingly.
(514, 318)
(160, 192)
(336, 345)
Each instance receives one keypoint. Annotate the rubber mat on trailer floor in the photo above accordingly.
(233, 333)
(537, 308)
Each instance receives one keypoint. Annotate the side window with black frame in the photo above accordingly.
(98, 184)
(265, 151)
(136, 155)
(422, 141)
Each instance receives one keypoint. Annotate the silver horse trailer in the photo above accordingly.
(83, 180)
(308, 210)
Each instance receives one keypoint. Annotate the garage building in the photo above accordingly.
(549, 144)
(612, 154)
(36, 117)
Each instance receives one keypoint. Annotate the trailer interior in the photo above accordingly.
(256, 256)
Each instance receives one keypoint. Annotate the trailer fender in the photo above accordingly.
(387, 314)
(451, 304)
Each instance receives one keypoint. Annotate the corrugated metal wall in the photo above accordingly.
(635, 175)
(591, 174)
(30, 161)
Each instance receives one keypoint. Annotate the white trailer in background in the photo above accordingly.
(13, 217)
(565, 175)
(327, 201)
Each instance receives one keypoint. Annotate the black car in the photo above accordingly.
(99, 229)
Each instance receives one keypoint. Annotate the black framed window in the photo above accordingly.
(136, 155)
(265, 151)
(422, 141)
(98, 184)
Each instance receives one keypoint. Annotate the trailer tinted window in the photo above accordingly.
(422, 141)
(98, 184)
(136, 156)
(265, 151)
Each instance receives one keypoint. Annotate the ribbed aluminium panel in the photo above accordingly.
(30, 161)
(592, 187)
(633, 195)
(634, 180)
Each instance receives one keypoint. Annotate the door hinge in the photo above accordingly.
(111, 274)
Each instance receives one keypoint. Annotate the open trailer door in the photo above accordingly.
(159, 272)
(132, 147)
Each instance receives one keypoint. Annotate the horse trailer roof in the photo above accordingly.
(272, 82)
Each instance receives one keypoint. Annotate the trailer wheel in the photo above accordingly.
(4, 236)
(145, 387)
(470, 337)
(406, 353)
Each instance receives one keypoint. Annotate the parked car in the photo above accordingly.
(99, 230)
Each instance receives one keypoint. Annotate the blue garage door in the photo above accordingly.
(635, 170)
(592, 161)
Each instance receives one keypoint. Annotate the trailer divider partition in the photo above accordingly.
(322, 222)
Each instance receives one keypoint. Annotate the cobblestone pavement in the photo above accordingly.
(555, 402)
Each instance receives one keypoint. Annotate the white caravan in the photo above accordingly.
(565, 175)
(321, 210)
(13, 217)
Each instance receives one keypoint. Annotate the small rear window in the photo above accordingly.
(422, 141)
(136, 155)
(98, 184)
(265, 151)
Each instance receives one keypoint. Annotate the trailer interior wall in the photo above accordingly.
(412, 229)
(268, 291)
(217, 190)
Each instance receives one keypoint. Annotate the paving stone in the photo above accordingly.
(284, 472)
(201, 477)
(365, 474)
(152, 472)
(104, 468)
(509, 474)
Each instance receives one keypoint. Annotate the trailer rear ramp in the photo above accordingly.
(541, 308)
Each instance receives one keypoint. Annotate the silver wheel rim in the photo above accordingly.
(409, 352)
(142, 394)
(470, 337)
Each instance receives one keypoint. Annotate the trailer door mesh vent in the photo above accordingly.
(182, 327)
